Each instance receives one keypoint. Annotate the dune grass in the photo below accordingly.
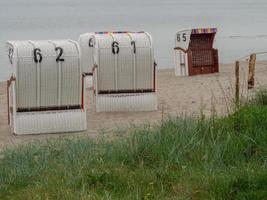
(260, 97)
(184, 158)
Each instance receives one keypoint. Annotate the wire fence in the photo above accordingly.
(253, 64)
(247, 56)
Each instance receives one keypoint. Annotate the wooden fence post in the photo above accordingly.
(251, 71)
(8, 84)
(237, 81)
(7, 91)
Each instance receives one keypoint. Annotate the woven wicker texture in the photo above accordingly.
(199, 57)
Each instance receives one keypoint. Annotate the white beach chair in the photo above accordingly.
(47, 87)
(124, 74)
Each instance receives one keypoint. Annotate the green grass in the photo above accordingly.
(185, 158)
(260, 98)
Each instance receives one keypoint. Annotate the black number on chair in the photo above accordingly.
(59, 59)
(10, 55)
(134, 47)
(178, 37)
(37, 55)
(91, 42)
(115, 47)
(184, 37)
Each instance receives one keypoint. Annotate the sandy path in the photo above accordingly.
(176, 94)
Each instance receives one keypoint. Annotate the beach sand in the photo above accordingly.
(176, 96)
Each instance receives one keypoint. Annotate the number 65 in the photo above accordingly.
(183, 37)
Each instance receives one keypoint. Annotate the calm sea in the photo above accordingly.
(242, 24)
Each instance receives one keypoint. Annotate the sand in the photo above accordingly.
(176, 96)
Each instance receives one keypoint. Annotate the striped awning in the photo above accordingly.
(204, 30)
(117, 32)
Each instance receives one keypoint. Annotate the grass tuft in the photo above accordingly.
(260, 97)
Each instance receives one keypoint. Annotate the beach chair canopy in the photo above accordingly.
(193, 39)
(48, 74)
(124, 60)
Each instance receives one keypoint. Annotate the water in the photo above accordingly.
(242, 24)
